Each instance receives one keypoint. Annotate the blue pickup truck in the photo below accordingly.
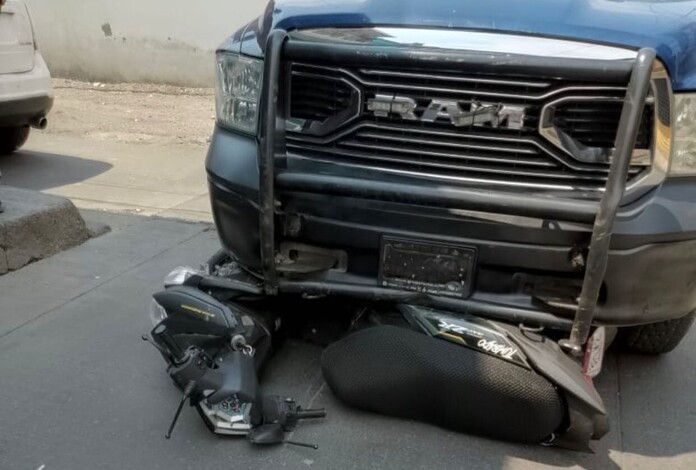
(514, 176)
(486, 125)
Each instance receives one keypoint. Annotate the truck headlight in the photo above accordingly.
(237, 92)
(684, 150)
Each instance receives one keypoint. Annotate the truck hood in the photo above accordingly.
(667, 26)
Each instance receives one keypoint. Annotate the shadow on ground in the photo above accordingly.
(649, 400)
(40, 170)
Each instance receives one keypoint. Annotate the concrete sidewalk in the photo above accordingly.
(80, 390)
(131, 148)
(141, 179)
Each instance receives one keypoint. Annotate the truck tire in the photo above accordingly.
(655, 338)
(12, 138)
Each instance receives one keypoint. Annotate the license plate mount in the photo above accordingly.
(428, 267)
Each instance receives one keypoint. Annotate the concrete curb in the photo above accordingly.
(34, 226)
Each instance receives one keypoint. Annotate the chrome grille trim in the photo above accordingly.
(465, 40)
(401, 156)
(455, 79)
(450, 178)
(471, 168)
(397, 86)
(431, 153)
(298, 140)
(445, 144)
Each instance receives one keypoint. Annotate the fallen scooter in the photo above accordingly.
(213, 352)
(451, 369)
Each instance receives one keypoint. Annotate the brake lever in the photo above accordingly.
(149, 340)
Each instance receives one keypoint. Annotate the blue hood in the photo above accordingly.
(667, 26)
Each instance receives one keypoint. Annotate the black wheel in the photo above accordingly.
(656, 338)
(12, 138)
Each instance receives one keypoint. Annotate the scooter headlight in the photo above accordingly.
(157, 313)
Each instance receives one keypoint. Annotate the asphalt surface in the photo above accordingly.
(80, 390)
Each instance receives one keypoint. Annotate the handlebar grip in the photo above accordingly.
(310, 414)
(160, 333)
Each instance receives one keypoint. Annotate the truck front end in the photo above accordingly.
(492, 144)
(535, 173)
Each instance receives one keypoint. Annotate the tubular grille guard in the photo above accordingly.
(601, 215)
(609, 205)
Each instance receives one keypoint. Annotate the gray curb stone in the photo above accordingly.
(34, 226)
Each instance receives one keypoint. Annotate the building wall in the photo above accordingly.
(161, 41)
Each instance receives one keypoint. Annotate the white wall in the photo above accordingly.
(162, 41)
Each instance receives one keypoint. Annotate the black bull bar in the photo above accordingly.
(602, 214)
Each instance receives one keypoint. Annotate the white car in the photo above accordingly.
(26, 94)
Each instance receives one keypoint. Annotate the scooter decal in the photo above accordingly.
(498, 349)
(202, 313)
(472, 332)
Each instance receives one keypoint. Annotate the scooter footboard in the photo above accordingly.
(402, 373)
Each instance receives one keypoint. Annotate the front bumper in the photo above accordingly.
(25, 96)
(527, 267)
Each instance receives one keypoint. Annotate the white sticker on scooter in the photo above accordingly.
(498, 349)
(594, 353)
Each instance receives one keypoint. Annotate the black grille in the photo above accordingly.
(595, 123)
(317, 98)
(663, 94)
(439, 149)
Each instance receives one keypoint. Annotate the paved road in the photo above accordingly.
(81, 391)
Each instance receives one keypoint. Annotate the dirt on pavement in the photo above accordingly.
(132, 112)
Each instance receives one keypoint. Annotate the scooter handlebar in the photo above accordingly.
(161, 335)
(310, 414)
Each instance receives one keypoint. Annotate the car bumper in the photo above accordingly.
(25, 96)
(527, 267)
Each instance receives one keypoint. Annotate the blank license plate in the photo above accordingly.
(432, 268)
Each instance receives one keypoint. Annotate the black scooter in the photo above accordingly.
(216, 329)
(214, 351)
